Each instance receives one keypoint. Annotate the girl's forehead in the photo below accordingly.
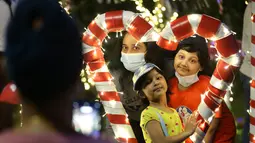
(152, 73)
(187, 53)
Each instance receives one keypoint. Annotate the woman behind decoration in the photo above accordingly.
(190, 82)
(131, 56)
(159, 123)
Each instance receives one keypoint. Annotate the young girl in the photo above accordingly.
(192, 65)
(130, 57)
(159, 123)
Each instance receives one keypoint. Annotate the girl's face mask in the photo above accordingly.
(187, 81)
(132, 61)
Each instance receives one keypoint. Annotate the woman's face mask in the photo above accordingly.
(187, 81)
(132, 61)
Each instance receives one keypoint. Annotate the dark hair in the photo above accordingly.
(141, 85)
(44, 63)
(160, 57)
(197, 44)
(116, 64)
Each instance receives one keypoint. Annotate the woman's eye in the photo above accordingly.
(136, 48)
(193, 61)
(124, 48)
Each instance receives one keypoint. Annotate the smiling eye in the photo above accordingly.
(181, 57)
(159, 77)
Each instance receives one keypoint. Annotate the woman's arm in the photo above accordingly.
(212, 130)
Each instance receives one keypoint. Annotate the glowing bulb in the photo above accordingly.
(90, 80)
(86, 109)
(214, 38)
(175, 14)
(83, 79)
(86, 86)
(138, 7)
(163, 8)
(246, 2)
(226, 67)
(160, 15)
(121, 93)
(160, 20)
(231, 99)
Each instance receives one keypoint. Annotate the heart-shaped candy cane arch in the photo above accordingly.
(252, 102)
(229, 60)
(93, 37)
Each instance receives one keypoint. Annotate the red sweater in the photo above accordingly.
(187, 101)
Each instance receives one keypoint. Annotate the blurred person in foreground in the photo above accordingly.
(44, 60)
(8, 106)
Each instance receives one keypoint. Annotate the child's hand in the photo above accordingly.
(191, 124)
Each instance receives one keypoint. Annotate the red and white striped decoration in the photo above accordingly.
(252, 101)
(93, 37)
(229, 60)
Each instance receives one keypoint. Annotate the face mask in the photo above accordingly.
(186, 81)
(132, 61)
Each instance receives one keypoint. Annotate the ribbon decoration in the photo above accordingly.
(98, 29)
(252, 83)
(229, 61)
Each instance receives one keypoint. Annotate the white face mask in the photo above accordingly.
(186, 81)
(132, 61)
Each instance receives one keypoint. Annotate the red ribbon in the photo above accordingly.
(208, 26)
(96, 65)
(252, 120)
(102, 77)
(97, 31)
(118, 119)
(114, 21)
(216, 91)
(93, 55)
(138, 28)
(203, 125)
(166, 44)
(223, 73)
(109, 95)
(90, 40)
(253, 61)
(227, 46)
(127, 140)
(252, 84)
(253, 39)
(210, 102)
(252, 103)
(182, 28)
